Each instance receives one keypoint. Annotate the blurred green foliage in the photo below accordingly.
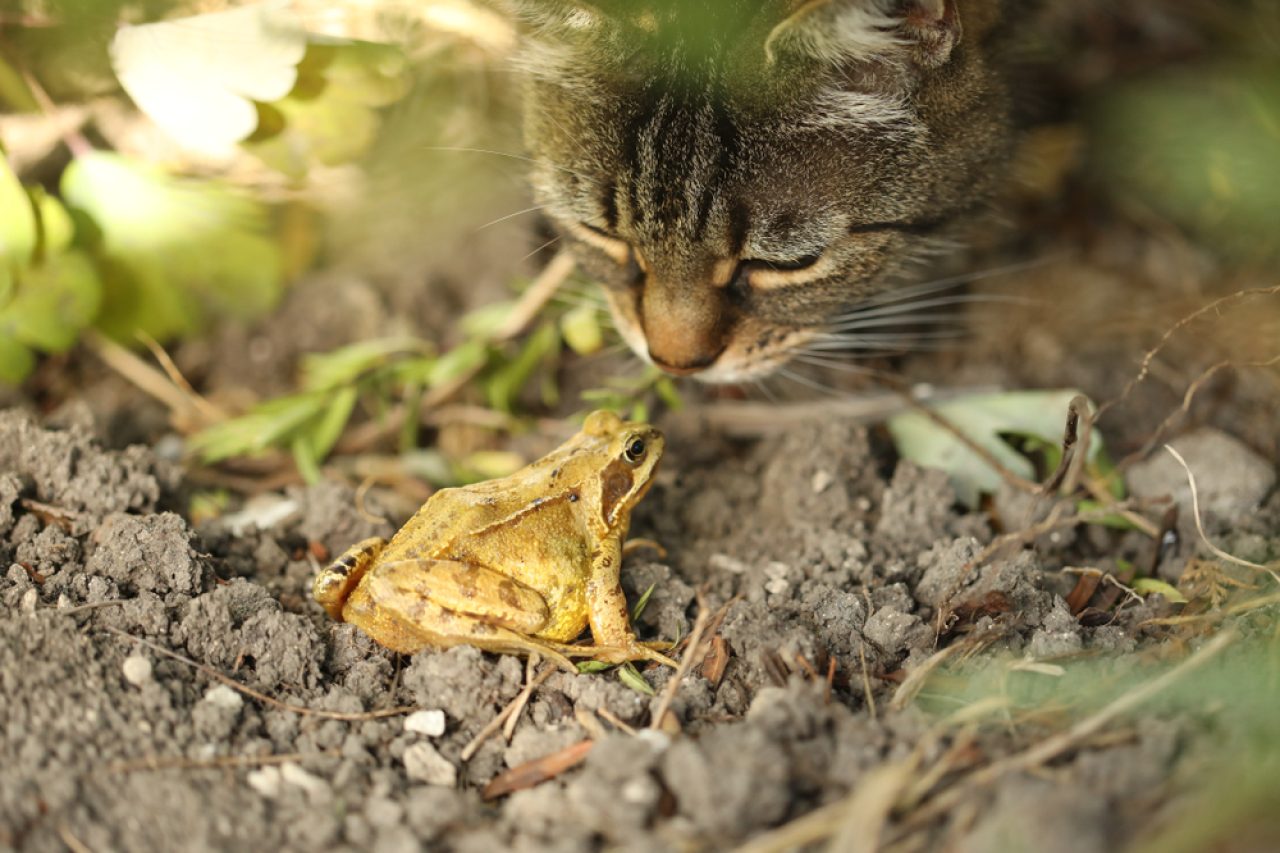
(1199, 146)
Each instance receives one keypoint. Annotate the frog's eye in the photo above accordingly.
(634, 451)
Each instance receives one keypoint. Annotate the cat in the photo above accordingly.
(739, 174)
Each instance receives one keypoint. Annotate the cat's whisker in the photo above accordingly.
(543, 247)
(490, 224)
(900, 294)
(886, 309)
(836, 365)
(807, 382)
(903, 322)
(510, 155)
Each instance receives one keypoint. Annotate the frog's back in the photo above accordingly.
(453, 514)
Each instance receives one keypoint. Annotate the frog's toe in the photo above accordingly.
(632, 545)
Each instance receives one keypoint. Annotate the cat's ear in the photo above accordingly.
(904, 33)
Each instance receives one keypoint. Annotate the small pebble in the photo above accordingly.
(317, 789)
(424, 764)
(223, 696)
(27, 604)
(137, 670)
(265, 780)
(429, 723)
(821, 480)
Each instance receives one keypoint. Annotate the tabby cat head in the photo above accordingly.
(739, 172)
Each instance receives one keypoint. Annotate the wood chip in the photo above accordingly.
(537, 771)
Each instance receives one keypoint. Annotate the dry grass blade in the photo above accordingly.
(75, 845)
(1195, 510)
(867, 692)
(497, 722)
(181, 762)
(1149, 357)
(857, 820)
(916, 678)
(147, 379)
(518, 706)
(356, 716)
(693, 655)
(536, 297)
(537, 771)
(1055, 745)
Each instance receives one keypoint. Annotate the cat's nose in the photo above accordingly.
(689, 369)
(682, 346)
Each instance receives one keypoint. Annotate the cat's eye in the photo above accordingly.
(617, 249)
(773, 274)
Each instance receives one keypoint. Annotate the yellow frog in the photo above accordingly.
(518, 565)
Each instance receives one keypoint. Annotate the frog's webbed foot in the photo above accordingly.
(622, 653)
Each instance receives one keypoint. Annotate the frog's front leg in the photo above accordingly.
(407, 605)
(610, 619)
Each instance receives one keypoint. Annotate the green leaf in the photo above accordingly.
(985, 419)
(485, 321)
(307, 460)
(586, 666)
(581, 329)
(1149, 586)
(18, 232)
(507, 381)
(197, 76)
(174, 248)
(343, 366)
(631, 677)
(330, 118)
(16, 361)
(329, 427)
(1197, 144)
(270, 424)
(640, 605)
(56, 227)
(457, 362)
(1112, 520)
(53, 303)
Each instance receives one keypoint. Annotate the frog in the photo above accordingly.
(520, 565)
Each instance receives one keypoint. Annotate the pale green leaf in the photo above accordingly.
(56, 228)
(197, 77)
(328, 429)
(631, 677)
(53, 303)
(324, 371)
(587, 666)
(642, 603)
(18, 233)
(174, 247)
(581, 329)
(306, 458)
(984, 419)
(16, 361)
(507, 381)
(457, 362)
(1151, 586)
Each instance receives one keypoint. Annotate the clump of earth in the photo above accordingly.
(838, 571)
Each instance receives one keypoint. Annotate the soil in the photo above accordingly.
(820, 545)
(842, 573)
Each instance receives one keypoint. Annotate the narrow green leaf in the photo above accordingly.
(328, 429)
(1149, 586)
(343, 366)
(640, 605)
(586, 666)
(305, 457)
(457, 362)
(631, 677)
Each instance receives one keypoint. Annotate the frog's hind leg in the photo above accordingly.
(334, 584)
(422, 602)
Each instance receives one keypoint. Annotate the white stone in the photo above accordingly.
(821, 480)
(137, 670)
(429, 723)
(1231, 478)
(27, 604)
(265, 780)
(424, 764)
(223, 696)
(317, 789)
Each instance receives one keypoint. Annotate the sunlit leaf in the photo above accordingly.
(581, 329)
(197, 77)
(16, 361)
(330, 117)
(586, 666)
(1149, 586)
(985, 419)
(507, 381)
(267, 425)
(329, 427)
(345, 365)
(174, 248)
(53, 303)
(18, 233)
(457, 362)
(56, 228)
